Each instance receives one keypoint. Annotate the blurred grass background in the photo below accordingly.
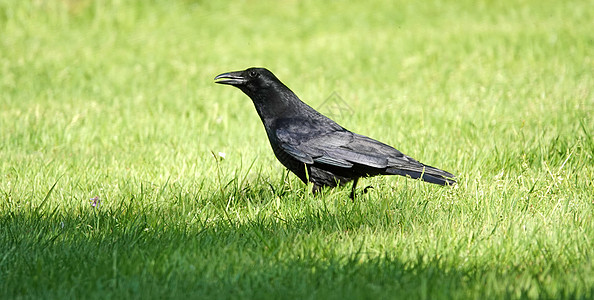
(115, 99)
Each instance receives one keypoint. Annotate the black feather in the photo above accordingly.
(314, 147)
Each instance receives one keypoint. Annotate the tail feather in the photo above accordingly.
(429, 174)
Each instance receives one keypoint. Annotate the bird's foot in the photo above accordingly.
(367, 188)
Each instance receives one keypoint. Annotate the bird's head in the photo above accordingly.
(270, 96)
(251, 81)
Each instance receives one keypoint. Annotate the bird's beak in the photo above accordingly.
(231, 78)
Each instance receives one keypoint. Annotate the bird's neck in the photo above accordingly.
(279, 104)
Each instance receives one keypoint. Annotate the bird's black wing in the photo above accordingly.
(306, 147)
(340, 148)
(344, 149)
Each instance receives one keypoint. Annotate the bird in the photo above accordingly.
(316, 148)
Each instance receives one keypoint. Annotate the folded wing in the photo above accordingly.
(345, 149)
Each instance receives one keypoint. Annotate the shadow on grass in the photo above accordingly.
(148, 254)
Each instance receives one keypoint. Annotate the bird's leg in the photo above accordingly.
(353, 188)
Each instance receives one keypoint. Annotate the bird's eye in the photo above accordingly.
(253, 74)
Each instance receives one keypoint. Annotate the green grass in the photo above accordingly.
(115, 99)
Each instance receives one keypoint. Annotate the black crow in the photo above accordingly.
(316, 148)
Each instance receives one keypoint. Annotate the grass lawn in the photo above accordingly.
(115, 101)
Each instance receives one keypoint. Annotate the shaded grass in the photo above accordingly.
(115, 99)
(329, 248)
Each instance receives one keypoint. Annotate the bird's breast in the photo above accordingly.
(295, 166)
